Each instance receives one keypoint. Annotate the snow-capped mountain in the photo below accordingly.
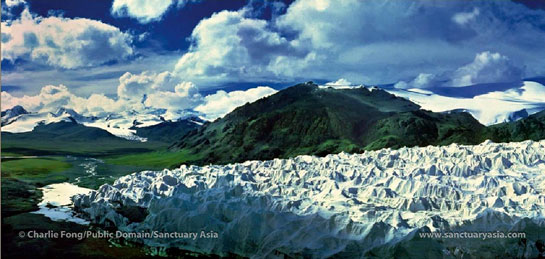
(27, 121)
(488, 103)
(124, 125)
(341, 205)
(10, 115)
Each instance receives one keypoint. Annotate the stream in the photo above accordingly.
(85, 175)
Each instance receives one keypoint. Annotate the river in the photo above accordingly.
(85, 175)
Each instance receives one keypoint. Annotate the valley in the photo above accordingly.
(301, 120)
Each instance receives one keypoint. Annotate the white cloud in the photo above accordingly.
(140, 93)
(52, 97)
(143, 36)
(29, 102)
(423, 80)
(8, 6)
(49, 99)
(144, 11)
(487, 67)
(172, 104)
(63, 42)
(158, 91)
(136, 86)
(363, 41)
(464, 17)
(97, 79)
(135, 92)
(185, 96)
(219, 104)
(100, 105)
(230, 46)
(340, 82)
(12, 3)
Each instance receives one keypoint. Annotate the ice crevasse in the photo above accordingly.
(342, 204)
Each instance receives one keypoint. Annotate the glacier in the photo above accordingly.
(123, 125)
(496, 106)
(342, 205)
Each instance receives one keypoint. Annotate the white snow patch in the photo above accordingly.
(340, 84)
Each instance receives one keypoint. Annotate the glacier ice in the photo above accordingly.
(488, 108)
(343, 204)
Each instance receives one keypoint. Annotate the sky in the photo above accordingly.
(185, 53)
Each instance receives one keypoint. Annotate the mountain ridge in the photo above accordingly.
(305, 119)
(311, 120)
(123, 125)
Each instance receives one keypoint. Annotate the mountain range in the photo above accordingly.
(124, 125)
(302, 119)
(67, 132)
(490, 104)
(313, 120)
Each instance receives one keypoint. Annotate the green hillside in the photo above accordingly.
(168, 131)
(532, 127)
(71, 138)
(307, 119)
(303, 119)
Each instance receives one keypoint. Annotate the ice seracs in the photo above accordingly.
(338, 205)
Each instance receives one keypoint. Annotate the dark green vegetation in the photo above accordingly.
(21, 179)
(32, 167)
(14, 246)
(168, 131)
(158, 159)
(71, 138)
(22, 176)
(306, 119)
(303, 119)
(532, 127)
(59, 152)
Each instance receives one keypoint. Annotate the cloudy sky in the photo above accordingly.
(168, 53)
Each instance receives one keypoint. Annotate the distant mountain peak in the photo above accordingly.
(19, 109)
(119, 124)
(62, 110)
(14, 111)
(515, 116)
(10, 115)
